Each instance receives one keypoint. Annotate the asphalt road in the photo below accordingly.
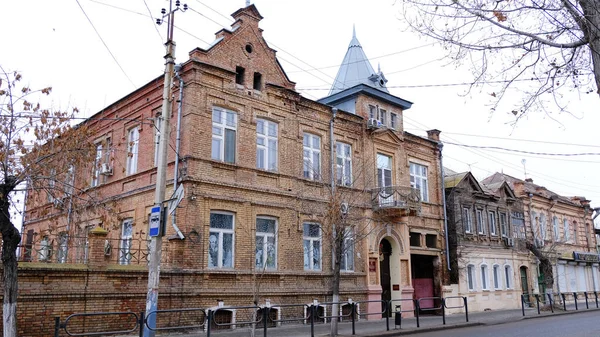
(578, 325)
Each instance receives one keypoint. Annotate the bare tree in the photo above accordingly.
(38, 149)
(545, 49)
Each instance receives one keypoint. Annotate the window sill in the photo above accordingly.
(317, 183)
(267, 173)
(223, 165)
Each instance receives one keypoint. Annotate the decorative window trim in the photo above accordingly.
(265, 236)
(224, 122)
(508, 272)
(220, 233)
(310, 253)
(309, 169)
(471, 277)
(265, 141)
(492, 223)
(480, 222)
(468, 224)
(418, 178)
(343, 170)
(497, 277)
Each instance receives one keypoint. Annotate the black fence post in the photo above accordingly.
(56, 326)
(564, 301)
(265, 316)
(417, 309)
(523, 304)
(575, 296)
(466, 308)
(312, 320)
(353, 313)
(142, 323)
(209, 322)
(596, 294)
(587, 306)
(537, 301)
(444, 311)
(387, 312)
(551, 304)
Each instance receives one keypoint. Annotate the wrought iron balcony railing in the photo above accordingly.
(396, 197)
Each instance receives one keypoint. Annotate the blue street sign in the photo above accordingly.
(155, 218)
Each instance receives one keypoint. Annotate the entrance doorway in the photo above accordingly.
(385, 250)
(422, 279)
(524, 284)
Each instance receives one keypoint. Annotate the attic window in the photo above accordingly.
(257, 81)
(249, 48)
(239, 75)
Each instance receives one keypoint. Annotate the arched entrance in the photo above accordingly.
(385, 277)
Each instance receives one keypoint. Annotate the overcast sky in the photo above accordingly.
(95, 60)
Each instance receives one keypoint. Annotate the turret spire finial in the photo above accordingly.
(353, 30)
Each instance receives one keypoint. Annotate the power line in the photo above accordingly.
(527, 152)
(153, 22)
(104, 43)
(521, 139)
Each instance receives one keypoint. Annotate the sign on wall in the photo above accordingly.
(586, 257)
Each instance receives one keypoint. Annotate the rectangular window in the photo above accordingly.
(518, 224)
(220, 240)
(70, 180)
(63, 247)
(97, 166)
(372, 112)
(492, 222)
(508, 277)
(51, 193)
(418, 180)
(239, 75)
(125, 242)
(503, 225)
(543, 226)
(44, 251)
(414, 239)
(566, 229)
(266, 145)
(496, 272)
(393, 120)
(555, 228)
(266, 243)
(157, 125)
(312, 246)
(384, 179)
(467, 221)
(471, 277)
(344, 164)
(311, 156)
(257, 82)
(480, 224)
(383, 116)
(484, 271)
(431, 240)
(347, 262)
(133, 141)
(224, 129)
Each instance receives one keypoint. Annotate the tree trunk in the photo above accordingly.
(10, 241)
(337, 253)
(590, 26)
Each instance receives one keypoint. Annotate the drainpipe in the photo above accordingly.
(440, 147)
(178, 141)
(332, 174)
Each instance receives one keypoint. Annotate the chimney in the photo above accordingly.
(434, 134)
(529, 180)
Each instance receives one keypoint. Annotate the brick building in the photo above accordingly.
(256, 163)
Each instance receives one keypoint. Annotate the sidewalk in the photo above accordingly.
(374, 328)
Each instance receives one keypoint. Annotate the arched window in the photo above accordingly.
(471, 277)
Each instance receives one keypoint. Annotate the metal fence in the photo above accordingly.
(565, 301)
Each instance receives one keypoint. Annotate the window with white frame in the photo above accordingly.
(69, 184)
(347, 262)
(497, 277)
(471, 277)
(157, 125)
(503, 225)
(384, 179)
(418, 180)
(133, 142)
(224, 130)
(372, 112)
(266, 243)
(344, 164)
(393, 120)
(51, 193)
(312, 246)
(575, 236)
(543, 226)
(484, 277)
(467, 221)
(480, 224)
(125, 241)
(44, 252)
(492, 222)
(555, 229)
(508, 275)
(63, 247)
(383, 116)
(311, 145)
(518, 224)
(266, 145)
(566, 229)
(220, 240)
(97, 165)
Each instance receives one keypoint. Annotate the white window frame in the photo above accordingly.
(372, 112)
(393, 120)
(265, 245)
(218, 233)
(492, 223)
(133, 146)
(310, 150)
(125, 241)
(63, 247)
(265, 141)
(97, 163)
(518, 229)
(543, 226)
(471, 277)
(503, 224)
(555, 229)
(484, 277)
(347, 262)
(467, 220)
(311, 239)
(508, 276)
(497, 277)
(44, 253)
(343, 163)
(383, 116)
(480, 222)
(223, 120)
(419, 180)
(385, 175)
(567, 230)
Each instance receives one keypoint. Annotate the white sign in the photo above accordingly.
(155, 221)
(176, 199)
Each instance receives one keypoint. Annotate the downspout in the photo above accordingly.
(332, 174)
(440, 147)
(177, 142)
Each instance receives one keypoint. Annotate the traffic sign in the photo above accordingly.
(155, 218)
(176, 199)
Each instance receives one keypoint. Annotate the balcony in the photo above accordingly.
(401, 198)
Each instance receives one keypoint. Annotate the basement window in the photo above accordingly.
(239, 75)
(257, 81)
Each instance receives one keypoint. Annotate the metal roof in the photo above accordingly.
(356, 69)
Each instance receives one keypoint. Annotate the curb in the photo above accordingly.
(414, 331)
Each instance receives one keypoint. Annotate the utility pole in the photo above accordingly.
(161, 171)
